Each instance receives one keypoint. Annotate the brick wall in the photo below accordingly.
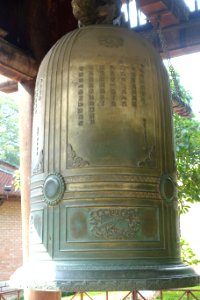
(10, 238)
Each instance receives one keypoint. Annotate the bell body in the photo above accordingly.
(103, 192)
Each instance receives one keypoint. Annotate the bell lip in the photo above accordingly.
(49, 276)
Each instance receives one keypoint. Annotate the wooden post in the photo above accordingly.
(25, 136)
(106, 295)
(25, 130)
(134, 295)
(43, 295)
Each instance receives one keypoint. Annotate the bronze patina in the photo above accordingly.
(103, 197)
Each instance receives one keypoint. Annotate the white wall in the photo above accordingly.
(190, 227)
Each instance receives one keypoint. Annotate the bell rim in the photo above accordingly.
(63, 278)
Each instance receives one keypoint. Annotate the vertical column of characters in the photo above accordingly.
(133, 87)
(91, 98)
(80, 109)
(113, 86)
(37, 148)
(123, 90)
(142, 83)
(37, 110)
(102, 88)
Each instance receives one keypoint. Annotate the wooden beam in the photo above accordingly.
(15, 64)
(169, 11)
(183, 38)
(9, 86)
(180, 39)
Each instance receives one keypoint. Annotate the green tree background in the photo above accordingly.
(187, 133)
(187, 141)
(9, 131)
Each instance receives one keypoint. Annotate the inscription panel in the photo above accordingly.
(107, 86)
(111, 116)
(99, 224)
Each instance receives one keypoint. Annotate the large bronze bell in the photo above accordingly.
(103, 192)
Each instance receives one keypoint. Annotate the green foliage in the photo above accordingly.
(187, 137)
(177, 295)
(187, 254)
(9, 128)
(187, 133)
(65, 294)
(176, 87)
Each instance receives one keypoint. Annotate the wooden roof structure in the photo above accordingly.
(29, 28)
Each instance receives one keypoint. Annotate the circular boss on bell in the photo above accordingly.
(53, 188)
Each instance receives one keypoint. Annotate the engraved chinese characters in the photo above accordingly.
(37, 162)
(103, 187)
(98, 99)
(80, 98)
(105, 93)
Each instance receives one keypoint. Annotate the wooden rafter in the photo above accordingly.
(170, 11)
(9, 86)
(181, 39)
(15, 64)
(182, 36)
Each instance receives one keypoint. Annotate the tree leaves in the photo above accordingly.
(187, 254)
(9, 131)
(187, 137)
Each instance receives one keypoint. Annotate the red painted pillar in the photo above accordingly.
(41, 295)
(134, 295)
(25, 132)
(25, 135)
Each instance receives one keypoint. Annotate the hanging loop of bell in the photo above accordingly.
(97, 11)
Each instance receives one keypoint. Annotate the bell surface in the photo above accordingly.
(103, 191)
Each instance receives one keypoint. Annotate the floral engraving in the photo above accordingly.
(115, 223)
(75, 161)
